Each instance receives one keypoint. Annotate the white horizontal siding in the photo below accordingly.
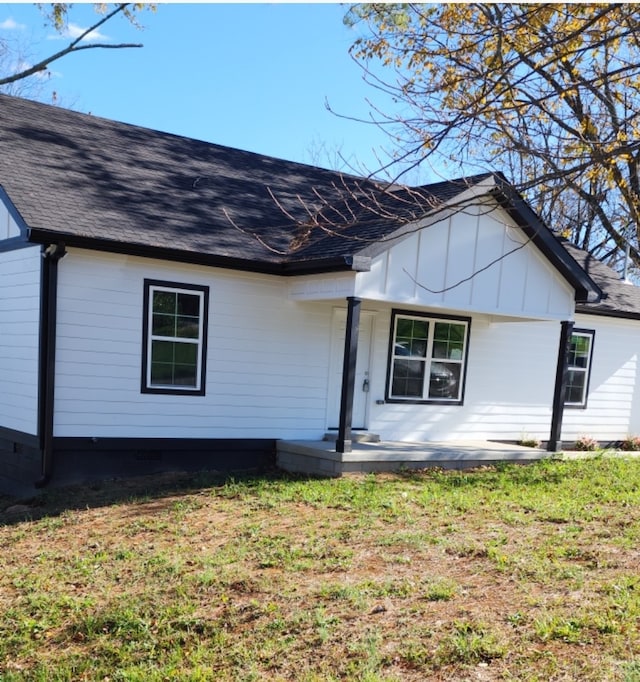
(508, 393)
(19, 338)
(267, 356)
(476, 260)
(613, 403)
(510, 383)
(268, 365)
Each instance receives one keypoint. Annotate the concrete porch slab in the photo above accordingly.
(320, 457)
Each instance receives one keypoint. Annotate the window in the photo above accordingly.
(579, 368)
(427, 358)
(175, 323)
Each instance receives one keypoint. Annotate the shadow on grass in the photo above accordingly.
(163, 488)
(52, 502)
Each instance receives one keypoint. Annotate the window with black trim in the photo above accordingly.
(579, 367)
(174, 343)
(428, 356)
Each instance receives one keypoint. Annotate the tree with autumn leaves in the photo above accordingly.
(549, 94)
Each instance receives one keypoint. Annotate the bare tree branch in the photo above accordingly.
(547, 93)
(73, 46)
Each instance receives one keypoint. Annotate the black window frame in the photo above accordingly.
(145, 386)
(587, 371)
(432, 318)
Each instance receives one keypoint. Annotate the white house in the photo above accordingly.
(166, 302)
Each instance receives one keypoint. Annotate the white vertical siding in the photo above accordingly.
(19, 338)
(508, 392)
(476, 261)
(8, 226)
(267, 356)
(613, 402)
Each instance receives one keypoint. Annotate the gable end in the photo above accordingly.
(587, 291)
(13, 230)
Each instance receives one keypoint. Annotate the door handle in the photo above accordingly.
(365, 385)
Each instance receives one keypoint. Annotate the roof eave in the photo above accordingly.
(282, 267)
(585, 309)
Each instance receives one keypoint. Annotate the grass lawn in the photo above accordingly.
(509, 573)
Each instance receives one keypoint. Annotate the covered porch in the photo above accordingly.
(320, 458)
(449, 343)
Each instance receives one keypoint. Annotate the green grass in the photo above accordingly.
(506, 573)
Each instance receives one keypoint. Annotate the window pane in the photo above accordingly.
(408, 378)
(417, 329)
(444, 380)
(164, 302)
(579, 351)
(162, 373)
(185, 375)
(418, 348)
(411, 337)
(162, 351)
(187, 327)
(176, 315)
(576, 386)
(448, 340)
(163, 325)
(174, 363)
(186, 353)
(188, 304)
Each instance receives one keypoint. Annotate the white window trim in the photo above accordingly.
(590, 334)
(201, 293)
(432, 320)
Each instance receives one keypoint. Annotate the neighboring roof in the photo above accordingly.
(89, 181)
(620, 299)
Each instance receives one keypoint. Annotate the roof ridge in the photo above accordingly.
(89, 117)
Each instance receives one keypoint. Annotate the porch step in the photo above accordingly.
(356, 437)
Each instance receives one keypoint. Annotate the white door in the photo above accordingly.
(361, 388)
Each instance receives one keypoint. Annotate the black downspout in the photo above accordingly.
(49, 298)
(343, 443)
(560, 390)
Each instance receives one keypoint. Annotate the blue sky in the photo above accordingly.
(252, 76)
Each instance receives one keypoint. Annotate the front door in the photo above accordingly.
(361, 389)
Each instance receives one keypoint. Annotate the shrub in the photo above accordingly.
(529, 441)
(587, 444)
(631, 443)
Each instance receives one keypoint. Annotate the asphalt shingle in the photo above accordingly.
(72, 173)
(75, 174)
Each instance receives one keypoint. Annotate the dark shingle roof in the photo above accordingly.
(74, 174)
(621, 299)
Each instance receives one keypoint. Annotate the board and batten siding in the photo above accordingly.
(20, 274)
(613, 402)
(267, 356)
(475, 260)
(8, 226)
(508, 393)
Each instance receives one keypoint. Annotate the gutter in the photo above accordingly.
(285, 268)
(47, 372)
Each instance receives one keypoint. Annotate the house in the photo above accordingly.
(166, 302)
